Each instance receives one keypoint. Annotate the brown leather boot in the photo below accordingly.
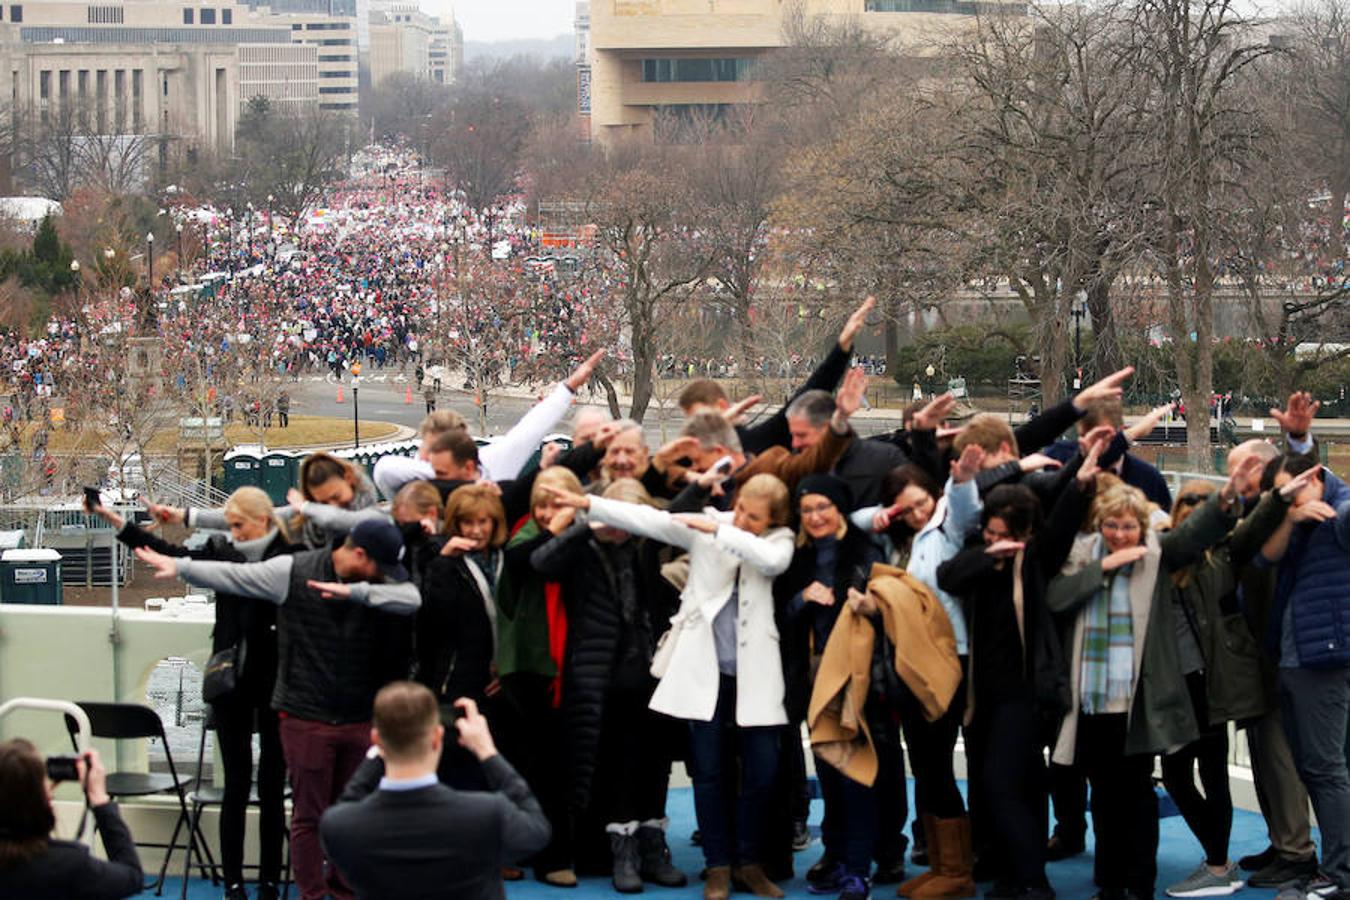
(934, 860)
(751, 879)
(718, 883)
(953, 878)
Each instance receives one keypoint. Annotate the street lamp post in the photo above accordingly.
(179, 230)
(356, 411)
(1079, 310)
(150, 257)
(229, 224)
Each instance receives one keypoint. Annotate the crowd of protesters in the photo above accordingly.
(613, 609)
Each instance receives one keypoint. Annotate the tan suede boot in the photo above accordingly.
(934, 860)
(953, 878)
(751, 879)
(718, 883)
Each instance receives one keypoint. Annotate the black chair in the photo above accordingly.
(131, 721)
(206, 794)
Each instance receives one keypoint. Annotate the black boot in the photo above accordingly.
(655, 858)
(624, 847)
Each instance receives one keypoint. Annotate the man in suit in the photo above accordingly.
(398, 832)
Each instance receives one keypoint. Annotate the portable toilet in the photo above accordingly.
(243, 468)
(280, 473)
(31, 576)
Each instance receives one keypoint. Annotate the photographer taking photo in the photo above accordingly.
(32, 863)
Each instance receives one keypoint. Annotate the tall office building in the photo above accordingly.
(680, 58)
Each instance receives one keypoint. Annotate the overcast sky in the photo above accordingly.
(500, 20)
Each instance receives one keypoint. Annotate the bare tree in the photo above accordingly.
(1192, 56)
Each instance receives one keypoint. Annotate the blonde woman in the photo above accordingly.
(720, 667)
(1129, 697)
(255, 534)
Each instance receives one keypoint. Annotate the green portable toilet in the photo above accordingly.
(31, 576)
(243, 468)
(280, 472)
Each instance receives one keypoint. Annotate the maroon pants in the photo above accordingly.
(321, 759)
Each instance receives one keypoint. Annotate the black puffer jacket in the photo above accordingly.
(617, 606)
(237, 618)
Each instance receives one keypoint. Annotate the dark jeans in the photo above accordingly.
(1006, 759)
(234, 736)
(863, 823)
(321, 759)
(715, 783)
(1124, 807)
(1316, 705)
(1210, 816)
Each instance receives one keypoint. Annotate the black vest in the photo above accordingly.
(328, 670)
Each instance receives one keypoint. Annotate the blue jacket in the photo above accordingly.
(1313, 583)
(1134, 471)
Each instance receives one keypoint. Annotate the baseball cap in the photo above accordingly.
(383, 543)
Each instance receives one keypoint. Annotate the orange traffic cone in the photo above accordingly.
(407, 396)
(339, 397)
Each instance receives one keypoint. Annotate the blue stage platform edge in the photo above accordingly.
(1178, 854)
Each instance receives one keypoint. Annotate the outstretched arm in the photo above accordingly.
(505, 457)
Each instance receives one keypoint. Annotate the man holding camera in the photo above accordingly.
(398, 832)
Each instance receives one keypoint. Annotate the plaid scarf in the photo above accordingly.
(1107, 674)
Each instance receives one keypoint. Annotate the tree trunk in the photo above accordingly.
(892, 336)
(611, 396)
(1106, 356)
(1054, 347)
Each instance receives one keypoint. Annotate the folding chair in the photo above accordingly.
(206, 794)
(130, 721)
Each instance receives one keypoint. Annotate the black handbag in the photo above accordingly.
(223, 673)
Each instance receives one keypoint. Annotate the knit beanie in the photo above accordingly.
(830, 486)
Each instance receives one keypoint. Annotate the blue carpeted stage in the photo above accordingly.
(1178, 854)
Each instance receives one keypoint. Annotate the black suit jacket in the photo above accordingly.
(433, 841)
(67, 871)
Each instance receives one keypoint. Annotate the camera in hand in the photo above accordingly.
(91, 499)
(63, 767)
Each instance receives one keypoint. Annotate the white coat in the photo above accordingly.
(686, 663)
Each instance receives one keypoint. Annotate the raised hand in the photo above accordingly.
(696, 522)
(1297, 416)
(549, 453)
(1090, 469)
(458, 546)
(331, 590)
(294, 498)
(1299, 482)
(849, 398)
(1144, 427)
(582, 373)
(164, 566)
(604, 435)
(1240, 475)
(855, 324)
(1034, 462)
(968, 466)
(673, 451)
(1315, 511)
(736, 411)
(933, 413)
(1004, 549)
(567, 498)
(1108, 388)
(1125, 557)
(166, 514)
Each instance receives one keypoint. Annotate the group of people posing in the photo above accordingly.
(612, 610)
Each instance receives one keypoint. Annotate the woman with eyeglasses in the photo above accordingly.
(1221, 662)
(926, 525)
(1129, 700)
